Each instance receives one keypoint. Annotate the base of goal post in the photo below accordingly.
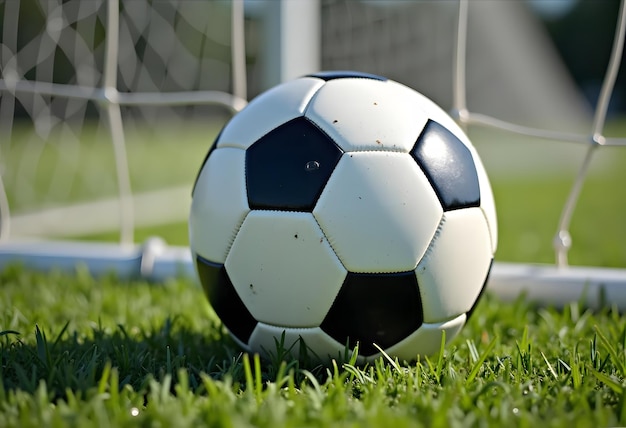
(550, 285)
(153, 260)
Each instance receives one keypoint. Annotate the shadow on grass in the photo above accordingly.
(77, 363)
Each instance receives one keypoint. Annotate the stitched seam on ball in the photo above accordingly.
(433, 240)
(237, 228)
(234, 234)
(384, 148)
(310, 101)
(492, 240)
(330, 242)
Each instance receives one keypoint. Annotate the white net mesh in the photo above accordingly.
(70, 70)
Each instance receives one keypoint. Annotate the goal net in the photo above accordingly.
(107, 109)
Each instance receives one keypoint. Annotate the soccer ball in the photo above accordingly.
(342, 208)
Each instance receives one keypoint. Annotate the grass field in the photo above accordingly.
(82, 351)
(78, 351)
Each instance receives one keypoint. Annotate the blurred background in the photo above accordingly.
(536, 63)
(525, 49)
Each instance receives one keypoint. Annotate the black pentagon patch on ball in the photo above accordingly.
(449, 166)
(287, 168)
(375, 308)
(224, 299)
(343, 74)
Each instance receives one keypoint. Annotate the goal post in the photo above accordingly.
(81, 81)
(291, 40)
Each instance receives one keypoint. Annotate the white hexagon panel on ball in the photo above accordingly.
(283, 269)
(378, 211)
(383, 115)
(452, 273)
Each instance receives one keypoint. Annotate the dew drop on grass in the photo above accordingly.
(134, 411)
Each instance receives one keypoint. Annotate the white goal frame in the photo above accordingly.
(557, 284)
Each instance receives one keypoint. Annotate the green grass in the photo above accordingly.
(79, 351)
(529, 211)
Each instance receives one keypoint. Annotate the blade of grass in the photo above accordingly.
(618, 359)
(607, 380)
(476, 368)
(442, 346)
(104, 379)
(550, 368)
(391, 361)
